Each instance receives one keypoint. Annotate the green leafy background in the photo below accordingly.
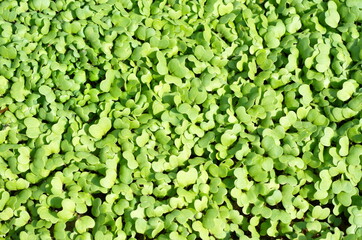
(185, 120)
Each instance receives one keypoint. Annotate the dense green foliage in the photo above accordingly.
(180, 119)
